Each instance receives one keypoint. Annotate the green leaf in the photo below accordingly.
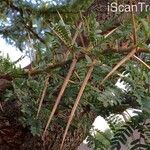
(88, 59)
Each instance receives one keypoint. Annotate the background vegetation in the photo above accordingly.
(76, 61)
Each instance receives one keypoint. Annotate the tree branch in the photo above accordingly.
(13, 7)
(125, 50)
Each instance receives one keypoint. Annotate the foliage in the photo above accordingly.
(9, 67)
(100, 140)
(132, 134)
(59, 40)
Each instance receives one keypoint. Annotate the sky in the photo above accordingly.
(14, 54)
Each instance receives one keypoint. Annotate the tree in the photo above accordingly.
(77, 59)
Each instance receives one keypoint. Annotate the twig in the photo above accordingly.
(34, 33)
(64, 78)
(131, 53)
(110, 32)
(133, 25)
(119, 64)
(125, 50)
(1, 107)
(43, 95)
(76, 33)
(74, 39)
(77, 75)
(19, 59)
(13, 7)
(141, 61)
(57, 101)
(36, 71)
(77, 101)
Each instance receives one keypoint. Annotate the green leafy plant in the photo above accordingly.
(73, 76)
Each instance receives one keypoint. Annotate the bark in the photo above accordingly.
(13, 136)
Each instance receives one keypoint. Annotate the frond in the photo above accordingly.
(132, 135)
